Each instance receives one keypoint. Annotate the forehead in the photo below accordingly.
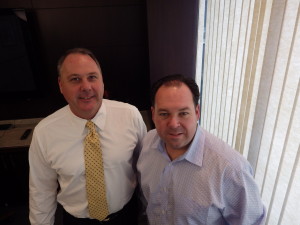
(172, 96)
(79, 63)
(77, 58)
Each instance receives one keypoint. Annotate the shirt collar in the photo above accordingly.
(195, 152)
(99, 118)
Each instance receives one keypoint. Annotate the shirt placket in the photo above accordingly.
(166, 179)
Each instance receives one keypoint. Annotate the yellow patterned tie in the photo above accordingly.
(95, 184)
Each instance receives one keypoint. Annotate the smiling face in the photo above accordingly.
(175, 117)
(81, 84)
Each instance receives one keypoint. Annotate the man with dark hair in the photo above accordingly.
(187, 175)
(86, 151)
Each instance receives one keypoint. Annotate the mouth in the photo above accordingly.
(175, 134)
(86, 98)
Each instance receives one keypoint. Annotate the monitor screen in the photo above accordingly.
(18, 59)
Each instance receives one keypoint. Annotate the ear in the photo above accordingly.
(152, 112)
(197, 111)
(59, 84)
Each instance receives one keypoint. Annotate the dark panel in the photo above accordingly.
(117, 35)
(14, 171)
(16, 72)
(15, 4)
(172, 28)
(81, 3)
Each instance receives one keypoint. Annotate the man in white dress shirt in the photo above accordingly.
(56, 155)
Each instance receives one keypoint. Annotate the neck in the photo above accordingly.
(175, 153)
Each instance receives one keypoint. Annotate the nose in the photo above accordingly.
(85, 85)
(173, 122)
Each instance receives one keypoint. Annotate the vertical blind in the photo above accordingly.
(248, 70)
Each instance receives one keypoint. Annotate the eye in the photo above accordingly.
(74, 79)
(163, 114)
(183, 114)
(92, 77)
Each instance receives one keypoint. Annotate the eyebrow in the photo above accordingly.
(76, 74)
(72, 75)
(93, 73)
(182, 109)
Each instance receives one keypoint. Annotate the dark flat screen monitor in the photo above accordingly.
(18, 56)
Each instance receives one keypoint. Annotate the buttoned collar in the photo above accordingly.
(195, 152)
(99, 119)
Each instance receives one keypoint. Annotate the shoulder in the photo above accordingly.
(152, 135)
(151, 140)
(116, 105)
(122, 110)
(53, 119)
(124, 115)
(220, 152)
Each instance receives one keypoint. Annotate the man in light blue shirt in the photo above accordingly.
(187, 175)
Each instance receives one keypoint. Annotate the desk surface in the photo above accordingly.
(10, 138)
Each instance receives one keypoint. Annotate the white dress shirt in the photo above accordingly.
(56, 154)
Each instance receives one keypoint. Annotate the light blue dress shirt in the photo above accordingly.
(210, 184)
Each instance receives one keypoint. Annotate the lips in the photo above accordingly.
(86, 97)
(175, 134)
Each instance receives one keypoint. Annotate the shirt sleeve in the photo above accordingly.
(141, 131)
(42, 185)
(242, 199)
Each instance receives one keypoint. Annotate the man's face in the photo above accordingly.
(81, 84)
(175, 117)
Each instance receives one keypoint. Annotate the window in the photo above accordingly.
(248, 71)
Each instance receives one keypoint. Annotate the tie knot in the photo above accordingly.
(91, 126)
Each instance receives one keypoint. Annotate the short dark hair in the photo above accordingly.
(176, 80)
(83, 51)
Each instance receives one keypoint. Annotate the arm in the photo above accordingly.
(141, 132)
(243, 203)
(42, 186)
